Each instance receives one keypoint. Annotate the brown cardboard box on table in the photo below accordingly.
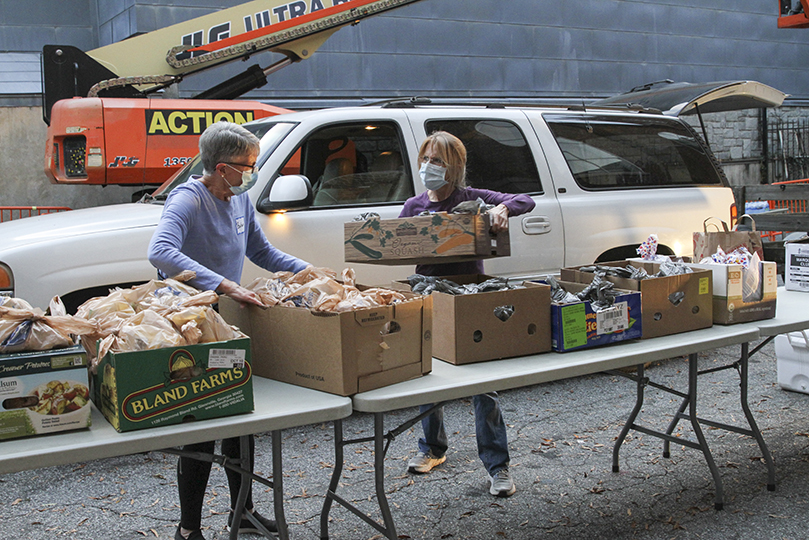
(466, 330)
(340, 353)
(437, 238)
(729, 303)
(669, 305)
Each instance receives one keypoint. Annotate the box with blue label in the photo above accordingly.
(43, 392)
(158, 387)
(578, 325)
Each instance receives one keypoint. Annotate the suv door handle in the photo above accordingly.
(536, 225)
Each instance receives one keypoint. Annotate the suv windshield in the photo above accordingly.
(271, 133)
(605, 152)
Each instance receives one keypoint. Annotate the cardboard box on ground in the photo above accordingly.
(340, 353)
(437, 238)
(43, 392)
(466, 328)
(577, 325)
(669, 305)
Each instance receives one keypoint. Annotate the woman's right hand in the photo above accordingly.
(239, 293)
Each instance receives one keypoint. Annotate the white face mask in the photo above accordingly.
(433, 176)
(248, 180)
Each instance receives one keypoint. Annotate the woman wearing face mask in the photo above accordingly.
(442, 159)
(208, 225)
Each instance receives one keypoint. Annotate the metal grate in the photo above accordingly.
(8, 213)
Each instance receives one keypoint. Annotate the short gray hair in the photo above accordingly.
(223, 142)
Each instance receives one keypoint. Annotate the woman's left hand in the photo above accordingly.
(499, 218)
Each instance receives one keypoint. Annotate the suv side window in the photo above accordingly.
(353, 163)
(497, 154)
(606, 152)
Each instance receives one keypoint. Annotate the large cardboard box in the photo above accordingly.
(158, 387)
(340, 353)
(577, 326)
(671, 304)
(467, 329)
(43, 392)
(796, 265)
(729, 304)
(437, 238)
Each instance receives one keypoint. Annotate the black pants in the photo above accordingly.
(192, 480)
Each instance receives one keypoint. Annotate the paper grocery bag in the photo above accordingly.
(706, 242)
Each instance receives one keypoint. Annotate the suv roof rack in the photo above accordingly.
(417, 101)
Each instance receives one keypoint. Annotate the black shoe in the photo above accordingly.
(247, 527)
(195, 535)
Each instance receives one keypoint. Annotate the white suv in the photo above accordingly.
(603, 179)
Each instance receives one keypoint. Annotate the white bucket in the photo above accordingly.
(792, 353)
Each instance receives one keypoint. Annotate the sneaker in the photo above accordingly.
(502, 485)
(423, 463)
(247, 527)
(195, 535)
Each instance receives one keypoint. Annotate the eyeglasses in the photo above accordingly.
(252, 167)
(434, 160)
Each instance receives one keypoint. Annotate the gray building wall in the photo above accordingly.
(517, 50)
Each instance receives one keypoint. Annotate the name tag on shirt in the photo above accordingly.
(240, 225)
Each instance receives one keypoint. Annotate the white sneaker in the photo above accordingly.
(502, 485)
(423, 463)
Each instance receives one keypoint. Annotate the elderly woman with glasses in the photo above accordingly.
(208, 225)
(442, 159)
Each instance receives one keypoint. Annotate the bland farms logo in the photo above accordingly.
(185, 382)
(182, 122)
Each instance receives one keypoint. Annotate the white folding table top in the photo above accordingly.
(277, 406)
(791, 314)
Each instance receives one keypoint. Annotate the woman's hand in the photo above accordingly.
(499, 218)
(239, 293)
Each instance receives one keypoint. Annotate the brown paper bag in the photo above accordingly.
(706, 242)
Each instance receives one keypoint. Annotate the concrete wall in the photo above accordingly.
(22, 156)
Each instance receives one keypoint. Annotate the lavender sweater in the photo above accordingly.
(516, 203)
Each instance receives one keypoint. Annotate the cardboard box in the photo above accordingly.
(796, 265)
(792, 360)
(159, 387)
(437, 238)
(729, 305)
(466, 328)
(577, 326)
(671, 304)
(43, 392)
(340, 353)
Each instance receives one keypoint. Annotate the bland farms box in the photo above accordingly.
(730, 305)
(578, 326)
(142, 389)
(671, 304)
(340, 353)
(796, 265)
(439, 237)
(467, 329)
(43, 392)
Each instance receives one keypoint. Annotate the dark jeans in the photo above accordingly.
(490, 431)
(192, 480)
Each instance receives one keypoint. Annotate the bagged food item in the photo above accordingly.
(318, 289)
(25, 328)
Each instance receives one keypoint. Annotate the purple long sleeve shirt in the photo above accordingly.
(517, 203)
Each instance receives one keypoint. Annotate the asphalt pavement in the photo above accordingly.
(561, 437)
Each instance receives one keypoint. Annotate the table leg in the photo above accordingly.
(331, 493)
(379, 473)
(744, 371)
(630, 422)
(278, 487)
(245, 463)
(703, 445)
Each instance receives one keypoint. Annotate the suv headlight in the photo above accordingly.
(6, 281)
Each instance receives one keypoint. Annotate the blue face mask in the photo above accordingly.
(248, 180)
(432, 176)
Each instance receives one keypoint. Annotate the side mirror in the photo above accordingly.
(287, 192)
